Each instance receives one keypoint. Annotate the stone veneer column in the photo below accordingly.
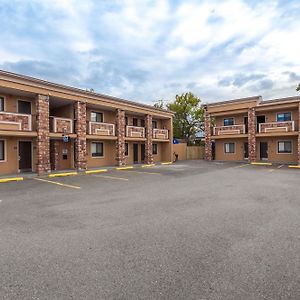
(252, 135)
(54, 154)
(148, 145)
(80, 130)
(208, 144)
(120, 132)
(42, 128)
(299, 136)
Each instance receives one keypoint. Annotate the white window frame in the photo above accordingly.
(24, 100)
(97, 112)
(224, 148)
(286, 112)
(103, 150)
(283, 141)
(5, 151)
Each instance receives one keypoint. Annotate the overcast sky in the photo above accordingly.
(148, 50)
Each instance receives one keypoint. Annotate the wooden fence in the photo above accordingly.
(188, 152)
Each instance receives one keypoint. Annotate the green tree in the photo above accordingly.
(189, 116)
(298, 88)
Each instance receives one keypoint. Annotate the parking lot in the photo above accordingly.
(190, 230)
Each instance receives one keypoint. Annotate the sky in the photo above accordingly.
(146, 50)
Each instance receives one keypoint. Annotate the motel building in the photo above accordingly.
(253, 130)
(47, 127)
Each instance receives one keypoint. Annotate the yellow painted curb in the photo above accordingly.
(166, 163)
(96, 171)
(11, 179)
(148, 166)
(124, 168)
(261, 164)
(62, 174)
(294, 167)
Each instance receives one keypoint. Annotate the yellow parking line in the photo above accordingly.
(62, 174)
(261, 164)
(294, 167)
(148, 166)
(111, 177)
(166, 163)
(96, 171)
(151, 173)
(58, 183)
(124, 168)
(11, 179)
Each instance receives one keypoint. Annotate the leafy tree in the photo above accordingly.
(298, 88)
(189, 116)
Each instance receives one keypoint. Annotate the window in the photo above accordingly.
(1, 104)
(135, 122)
(154, 149)
(24, 107)
(126, 149)
(126, 120)
(97, 149)
(229, 147)
(228, 121)
(142, 123)
(285, 147)
(2, 150)
(96, 117)
(282, 117)
(154, 124)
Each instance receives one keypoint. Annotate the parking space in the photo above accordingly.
(189, 230)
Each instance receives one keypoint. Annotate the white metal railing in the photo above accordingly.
(99, 128)
(229, 129)
(283, 126)
(21, 121)
(62, 125)
(135, 131)
(161, 134)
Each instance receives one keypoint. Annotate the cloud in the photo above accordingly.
(156, 49)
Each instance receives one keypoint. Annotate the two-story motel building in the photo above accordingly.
(253, 130)
(46, 127)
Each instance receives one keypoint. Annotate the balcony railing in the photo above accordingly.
(160, 134)
(231, 129)
(61, 125)
(285, 126)
(135, 131)
(15, 121)
(98, 128)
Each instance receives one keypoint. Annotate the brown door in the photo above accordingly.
(142, 152)
(263, 151)
(25, 157)
(135, 153)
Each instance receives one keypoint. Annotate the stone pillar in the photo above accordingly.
(80, 130)
(120, 132)
(54, 154)
(208, 144)
(299, 136)
(148, 145)
(42, 128)
(252, 134)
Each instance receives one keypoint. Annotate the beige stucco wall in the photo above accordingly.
(109, 158)
(273, 156)
(11, 163)
(239, 149)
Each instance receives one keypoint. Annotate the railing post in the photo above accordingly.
(251, 135)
